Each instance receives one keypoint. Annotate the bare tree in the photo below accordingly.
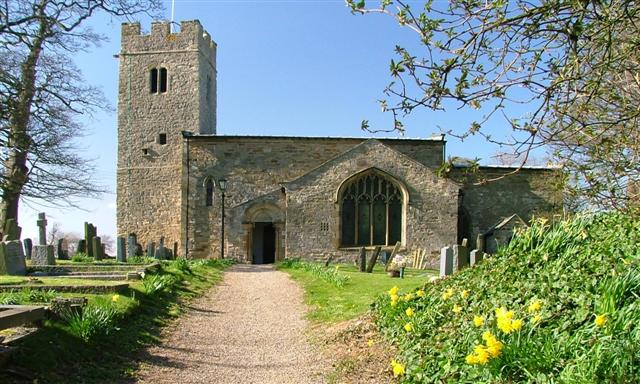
(573, 63)
(42, 95)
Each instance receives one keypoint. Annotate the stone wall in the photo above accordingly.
(149, 174)
(258, 168)
(528, 192)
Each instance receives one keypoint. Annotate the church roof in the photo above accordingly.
(435, 139)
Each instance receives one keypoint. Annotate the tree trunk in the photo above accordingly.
(16, 173)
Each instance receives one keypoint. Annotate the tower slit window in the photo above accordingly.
(153, 80)
(208, 186)
(371, 211)
(163, 80)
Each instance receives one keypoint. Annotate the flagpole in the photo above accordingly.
(173, 9)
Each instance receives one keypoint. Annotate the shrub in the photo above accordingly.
(558, 304)
(93, 320)
(26, 295)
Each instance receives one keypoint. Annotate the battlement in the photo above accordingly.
(190, 37)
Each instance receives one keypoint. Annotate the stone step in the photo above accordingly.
(112, 276)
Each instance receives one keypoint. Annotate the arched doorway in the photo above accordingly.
(264, 243)
(263, 224)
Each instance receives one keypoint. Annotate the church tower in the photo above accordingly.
(167, 85)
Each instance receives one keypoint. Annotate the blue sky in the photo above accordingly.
(301, 68)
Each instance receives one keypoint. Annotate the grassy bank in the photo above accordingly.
(104, 343)
(559, 305)
(333, 302)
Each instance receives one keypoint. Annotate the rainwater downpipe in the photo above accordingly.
(187, 135)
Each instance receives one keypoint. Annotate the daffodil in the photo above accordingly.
(464, 294)
(456, 309)
(447, 294)
(370, 343)
(478, 321)
(115, 298)
(410, 312)
(516, 324)
(420, 293)
(408, 327)
(393, 303)
(534, 306)
(536, 319)
(394, 291)
(408, 296)
(600, 320)
(398, 368)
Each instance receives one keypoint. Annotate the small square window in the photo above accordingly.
(162, 139)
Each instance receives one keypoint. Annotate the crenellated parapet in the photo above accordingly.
(190, 37)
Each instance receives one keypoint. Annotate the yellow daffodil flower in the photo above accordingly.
(420, 293)
(408, 327)
(478, 321)
(115, 298)
(394, 291)
(534, 306)
(398, 368)
(536, 319)
(456, 309)
(600, 320)
(447, 294)
(409, 312)
(464, 294)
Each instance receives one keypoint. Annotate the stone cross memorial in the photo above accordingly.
(42, 229)
(42, 254)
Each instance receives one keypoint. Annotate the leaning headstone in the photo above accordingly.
(373, 259)
(42, 255)
(132, 245)
(11, 230)
(60, 251)
(446, 261)
(476, 256)
(460, 257)
(42, 228)
(97, 248)
(12, 258)
(82, 246)
(28, 245)
(121, 254)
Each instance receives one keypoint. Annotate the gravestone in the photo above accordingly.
(151, 249)
(42, 228)
(12, 260)
(11, 230)
(476, 256)
(373, 259)
(160, 253)
(460, 257)
(61, 252)
(90, 231)
(362, 260)
(97, 248)
(28, 245)
(480, 243)
(82, 246)
(446, 261)
(121, 254)
(132, 245)
(42, 255)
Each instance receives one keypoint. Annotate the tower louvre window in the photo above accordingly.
(162, 139)
(158, 80)
(153, 80)
(163, 80)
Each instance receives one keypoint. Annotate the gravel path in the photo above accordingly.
(248, 329)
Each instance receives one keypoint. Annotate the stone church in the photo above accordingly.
(308, 197)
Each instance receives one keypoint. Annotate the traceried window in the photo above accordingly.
(371, 211)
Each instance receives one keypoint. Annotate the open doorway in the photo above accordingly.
(264, 243)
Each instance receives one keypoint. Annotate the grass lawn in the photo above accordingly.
(15, 280)
(57, 354)
(332, 304)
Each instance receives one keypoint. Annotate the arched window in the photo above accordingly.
(208, 187)
(371, 211)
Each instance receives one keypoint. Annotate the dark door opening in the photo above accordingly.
(264, 243)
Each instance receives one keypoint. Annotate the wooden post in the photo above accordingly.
(373, 259)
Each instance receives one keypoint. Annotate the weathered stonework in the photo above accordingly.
(284, 193)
